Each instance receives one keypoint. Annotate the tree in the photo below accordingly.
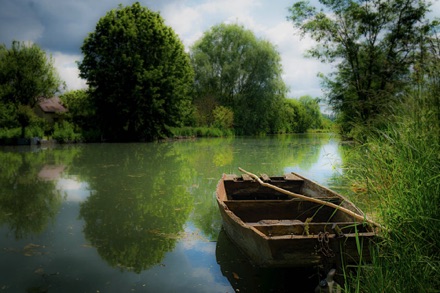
(27, 75)
(294, 116)
(313, 112)
(234, 69)
(82, 113)
(223, 117)
(372, 42)
(139, 74)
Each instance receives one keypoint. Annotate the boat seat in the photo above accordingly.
(292, 177)
(246, 177)
(276, 222)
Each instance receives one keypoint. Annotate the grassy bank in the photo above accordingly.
(399, 171)
(201, 132)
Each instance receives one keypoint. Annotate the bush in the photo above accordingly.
(64, 132)
(201, 132)
(223, 117)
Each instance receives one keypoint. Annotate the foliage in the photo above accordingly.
(313, 113)
(139, 74)
(234, 69)
(65, 132)
(373, 44)
(82, 114)
(136, 213)
(400, 168)
(301, 115)
(294, 117)
(26, 74)
(8, 116)
(30, 124)
(223, 117)
(81, 107)
(24, 116)
(200, 132)
(23, 214)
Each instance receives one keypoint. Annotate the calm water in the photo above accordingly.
(140, 217)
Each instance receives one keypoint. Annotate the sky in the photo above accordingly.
(59, 27)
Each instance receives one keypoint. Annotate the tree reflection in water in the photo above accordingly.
(28, 197)
(136, 212)
(134, 202)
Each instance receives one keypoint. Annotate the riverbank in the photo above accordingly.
(398, 169)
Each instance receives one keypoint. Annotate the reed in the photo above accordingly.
(399, 167)
(201, 132)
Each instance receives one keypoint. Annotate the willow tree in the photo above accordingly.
(234, 69)
(373, 44)
(138, 72)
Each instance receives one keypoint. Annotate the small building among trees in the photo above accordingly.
(50, 109)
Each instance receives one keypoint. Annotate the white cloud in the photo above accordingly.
(300, 74)
(190, 22)
(68, 70)
(186, 21)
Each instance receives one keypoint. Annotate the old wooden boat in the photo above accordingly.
(278, 230)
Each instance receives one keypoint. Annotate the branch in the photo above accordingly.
(315, 200)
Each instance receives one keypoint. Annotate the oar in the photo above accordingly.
(312, 199)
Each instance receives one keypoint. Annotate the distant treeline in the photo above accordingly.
(143, 85)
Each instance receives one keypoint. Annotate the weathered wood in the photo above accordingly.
(254, 211)
(265, 178)
(278, 230)
(230, 177)
(312, 199)
(294, 228)
(247, 177)
(293, 177)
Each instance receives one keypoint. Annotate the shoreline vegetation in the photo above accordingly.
(70, 137)
(396, 172)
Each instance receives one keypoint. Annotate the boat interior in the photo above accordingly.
(276, 214)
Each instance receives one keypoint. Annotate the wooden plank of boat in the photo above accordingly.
(265, 178)
(276, 230)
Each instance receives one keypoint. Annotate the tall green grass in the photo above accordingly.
(201, 132)
(399, 168)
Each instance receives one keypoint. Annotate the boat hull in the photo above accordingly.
(278, 231)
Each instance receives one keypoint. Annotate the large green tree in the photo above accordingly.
(235, 69)
(27, 75)
(139, 74)
(373, 44)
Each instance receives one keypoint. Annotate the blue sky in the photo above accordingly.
(60, 26)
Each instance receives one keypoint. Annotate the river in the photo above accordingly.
(141, 217)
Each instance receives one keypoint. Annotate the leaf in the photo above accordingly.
(236, 276)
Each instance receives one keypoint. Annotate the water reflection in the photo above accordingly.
(141, 216)
(28, 198)
(245, 278)
(137, 206)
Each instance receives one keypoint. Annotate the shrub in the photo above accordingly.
(64, 132)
